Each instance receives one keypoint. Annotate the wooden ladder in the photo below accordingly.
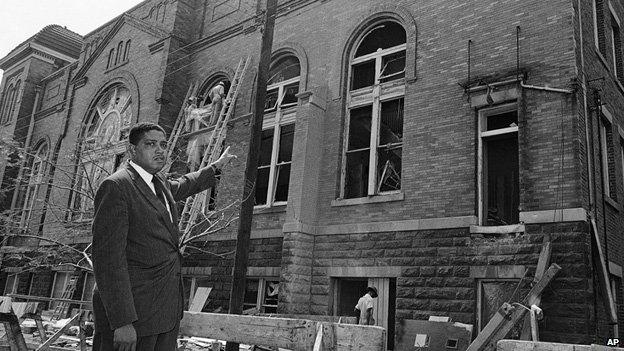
(61, 308)
(179, 125)
(195, 204)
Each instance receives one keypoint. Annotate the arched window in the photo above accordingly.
(278, 131)
(118, 55)
(102, 146)
(36, 174)
(126, 50)
(375, 103)
(14, 100)
(111, 57)
(6, 99)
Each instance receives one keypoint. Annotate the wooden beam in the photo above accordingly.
(504, 320)
(542, 263)
(13, 332)
(604, 280)
(294, 334)
(521, 345)
(58, 334)
(199, 299)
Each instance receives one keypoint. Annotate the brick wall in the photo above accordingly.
(436, 276)
(262, 253)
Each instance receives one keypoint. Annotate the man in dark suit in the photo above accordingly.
(138, 300)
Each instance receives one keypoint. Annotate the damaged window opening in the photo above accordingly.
(492, 293)
(261, 296)
(372, 158)
(278, 133)
(499, 169)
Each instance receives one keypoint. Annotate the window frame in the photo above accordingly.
(479, 306)
(38, 170)
(67, 275)
(15, 278)
(483, 114)
(283, 115)
(373, 95)
(93, 154)
(260, 304)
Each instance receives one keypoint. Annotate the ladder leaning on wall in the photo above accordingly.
(213, 147)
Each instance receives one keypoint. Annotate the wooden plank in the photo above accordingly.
(542, 264)
(521, 345)
(199, 299)
(58, 334)
(501, 324)
(313, 317)
(266, 331)
(605, 282)
(294, 334)
(13, 332)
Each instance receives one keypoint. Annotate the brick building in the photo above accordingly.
(423, 148)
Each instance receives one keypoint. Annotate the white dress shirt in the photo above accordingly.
(147, 177)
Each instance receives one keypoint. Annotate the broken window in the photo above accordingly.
(37, 171)
(283, 84)
(499, 166)
(261, 295)
(102, 144)
(491, 296)
(374, 137)
(278, 133)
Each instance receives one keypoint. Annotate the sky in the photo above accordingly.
(21, 19)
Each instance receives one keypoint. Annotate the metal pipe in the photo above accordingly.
(555, 90)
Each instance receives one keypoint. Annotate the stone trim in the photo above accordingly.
(398, 226)
(498, 229)
(497, 272)
(369, 272)
(263, 271)
(550, 216)
(369, 199)
(255, 234)
(196, 271)
(378, 227)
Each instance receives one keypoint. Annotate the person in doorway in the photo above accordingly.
(138, 299)
(365, 307)
(216, 95)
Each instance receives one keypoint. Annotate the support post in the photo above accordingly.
(251, 169)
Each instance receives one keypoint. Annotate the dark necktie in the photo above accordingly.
(160, 190)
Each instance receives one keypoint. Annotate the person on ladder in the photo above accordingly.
(138, 299)
(216, 95)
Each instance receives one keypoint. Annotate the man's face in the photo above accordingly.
(149, 152)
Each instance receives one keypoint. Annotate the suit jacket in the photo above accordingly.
(136, 259)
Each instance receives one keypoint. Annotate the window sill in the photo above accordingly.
(497, 229)
(612, 203)
(386, 197)
(269, 209)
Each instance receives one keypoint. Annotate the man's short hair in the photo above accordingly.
(138, 130)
